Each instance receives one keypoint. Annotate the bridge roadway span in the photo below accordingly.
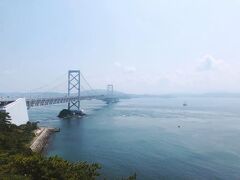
(58, 100)
(34, 102)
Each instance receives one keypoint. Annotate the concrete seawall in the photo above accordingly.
(42, 136)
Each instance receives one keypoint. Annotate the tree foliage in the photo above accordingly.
(36, 166)
(5, 123)
(15, 139)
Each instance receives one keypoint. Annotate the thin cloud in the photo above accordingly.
(208, 63)
(125, 69)
(117, 64)
(130, 69)
(7, 72)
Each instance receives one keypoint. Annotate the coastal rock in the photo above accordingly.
(65, 113)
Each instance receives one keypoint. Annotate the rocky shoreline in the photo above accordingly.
(41, 139)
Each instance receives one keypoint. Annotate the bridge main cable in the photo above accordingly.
(88, 84)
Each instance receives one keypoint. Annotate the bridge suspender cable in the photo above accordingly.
(52, 85)
(46, 87)
(48, 84)
(88, 84)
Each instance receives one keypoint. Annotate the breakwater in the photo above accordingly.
(42, 137)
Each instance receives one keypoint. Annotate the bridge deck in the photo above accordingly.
(58, 100)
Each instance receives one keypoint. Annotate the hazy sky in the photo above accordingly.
(141, 46)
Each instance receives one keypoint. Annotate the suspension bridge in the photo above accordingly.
(17, 108)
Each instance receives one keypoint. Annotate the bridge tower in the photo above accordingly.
(109, 90)
(110, 97)
(74, 89)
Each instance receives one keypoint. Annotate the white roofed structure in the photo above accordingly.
(17, 111)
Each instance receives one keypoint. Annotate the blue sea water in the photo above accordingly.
(158, 138)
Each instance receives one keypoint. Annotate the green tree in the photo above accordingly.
(5, 123)
(44, 168)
